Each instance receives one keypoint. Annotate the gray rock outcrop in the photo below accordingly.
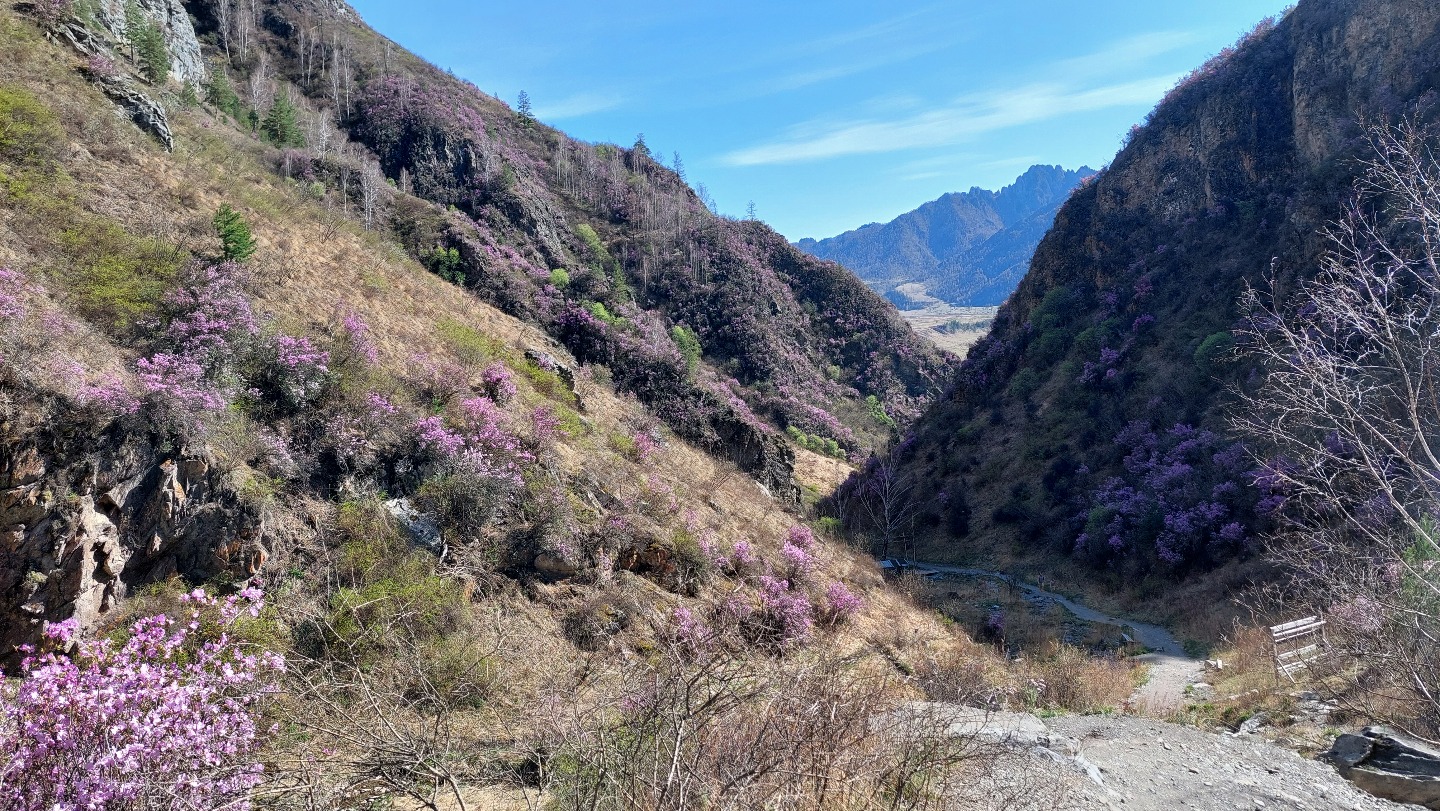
(1389, 764)
(186, 62)
(147, 114)
(85, 519)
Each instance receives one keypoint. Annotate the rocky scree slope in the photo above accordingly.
(967, 248)
(1090, 423)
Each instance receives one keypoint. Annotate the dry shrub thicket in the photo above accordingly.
(1350, 414)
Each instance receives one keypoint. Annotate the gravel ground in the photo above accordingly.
(1149, 764)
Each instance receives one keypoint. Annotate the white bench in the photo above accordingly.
(1296, 644)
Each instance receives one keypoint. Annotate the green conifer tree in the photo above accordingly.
(281, 125)
(154, 56)
(219, 92)
(147, 44)
(236, 242)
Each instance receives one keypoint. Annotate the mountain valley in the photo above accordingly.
(366, 442)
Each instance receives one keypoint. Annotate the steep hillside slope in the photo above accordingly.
(967, 248)
(1089, 425)
(786, 341)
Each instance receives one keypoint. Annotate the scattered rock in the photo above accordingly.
(1254, 723)
(423, 529)
(1389, 764)
(550, 363)
(554, 566)
(147, 114)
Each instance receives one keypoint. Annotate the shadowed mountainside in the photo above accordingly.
(1089, 426)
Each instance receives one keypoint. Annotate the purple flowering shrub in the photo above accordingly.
(289, 371)
(498, 382)
(1186, 498)
(841, 604)
(355, 339)
(165, 719)
(479, 460)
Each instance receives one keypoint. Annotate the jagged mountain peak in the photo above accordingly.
(966, 248)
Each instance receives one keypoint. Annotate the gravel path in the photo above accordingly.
(1148, 764)
(1171, 669)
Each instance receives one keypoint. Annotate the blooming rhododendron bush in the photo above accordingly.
(165, 719)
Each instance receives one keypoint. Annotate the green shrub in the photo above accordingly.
(1213, 351)
(471, 346)
(598, 310)
(1024, 384)
(236, 242)
(548, 384)
(115, 279)
(30, 135)
(601, 256)
(391, 596)
(445, 262)
(877, 411)
(689, 344)
(559, 278)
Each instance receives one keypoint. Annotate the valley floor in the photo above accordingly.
(953, 329)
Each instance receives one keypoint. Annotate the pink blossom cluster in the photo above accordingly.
(498, 382)
(646, 446)
(208, 322)
(101, 66)
(109, 396)
(786, 612)
(300, 366)
(355, 433)
(690, 631)
(742, 557)
(797, 550)
(166, 719)
(479, 443)
(209, 317)
(179, 384)
(356, 336)
(544, 425)
(437, 380)
(841, 603)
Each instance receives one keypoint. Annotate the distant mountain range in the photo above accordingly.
(966, 248)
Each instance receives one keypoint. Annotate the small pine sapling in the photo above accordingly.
(236, 242)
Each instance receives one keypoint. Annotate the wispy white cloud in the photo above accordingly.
(958, 121)
(577, 105)
(1125, 54)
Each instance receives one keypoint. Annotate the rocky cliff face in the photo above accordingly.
(968, 248)
(186, 62)
(1108, 365)
(86, 519)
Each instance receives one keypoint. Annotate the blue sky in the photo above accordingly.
(829, 115)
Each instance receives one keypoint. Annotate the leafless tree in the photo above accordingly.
(372, 184)
(1350, 412)
(262, 91)
(886, 498)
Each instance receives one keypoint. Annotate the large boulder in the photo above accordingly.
(1389, 764)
